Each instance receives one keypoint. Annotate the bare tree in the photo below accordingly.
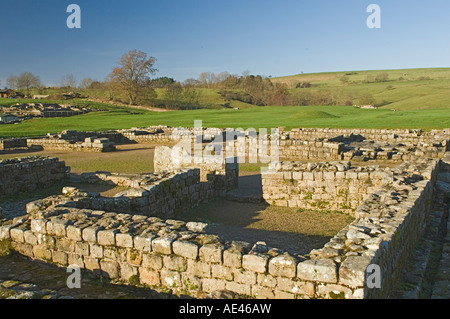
(68, 81)
(26, 81)
(132, 74)
(11, 82)
(86, 82)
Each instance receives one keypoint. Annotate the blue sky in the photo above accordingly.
(188, 37)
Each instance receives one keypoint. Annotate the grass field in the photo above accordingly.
(261, 117)
(405, 89)
(413, 98)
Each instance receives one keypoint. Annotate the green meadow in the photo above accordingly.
(260, 117)
(408, 99)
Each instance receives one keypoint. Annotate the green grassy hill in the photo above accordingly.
(413, 99)
(408, 89)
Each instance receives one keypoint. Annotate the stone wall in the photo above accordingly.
(12, 143)
(179, 256)
(28, 174)
(162, 194)
(222, 171)
(90, 144)
(330, 185)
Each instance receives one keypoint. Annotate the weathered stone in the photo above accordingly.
(124, 240)
(176, 263)
(162, 245)
(107, 237)
(211, 253)
(152, 261)
(353, 270)
(185, 249)
(323, 270)
(149, 277)
(110, 268)
(283, 265)
(143, 242)
(255, 262)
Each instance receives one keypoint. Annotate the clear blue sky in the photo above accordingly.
(188, 37)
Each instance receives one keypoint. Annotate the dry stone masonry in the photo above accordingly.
(134, 238)
(27, 174)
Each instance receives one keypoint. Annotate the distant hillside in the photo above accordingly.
(405, 89)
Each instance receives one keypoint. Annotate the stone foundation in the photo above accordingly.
(29, 174)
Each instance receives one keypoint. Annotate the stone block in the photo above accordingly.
(143, 242)
(185, 249)
(17, 235)
(149, 277)
(295, 287)
(232, 257)
(211, 253)
(162, 245)
(124, 240)
(333, 291)
(90, 234)
(244, 276)
(198, 268)
(255, 262)
(170, 279)
(152, 261)
(266, 280)
(110, 268)
(127, 271)
(221, 272)
(41, 252)
(353, 271)
(75, 259)
(74, 233)
(283, 265)
(82, 248)
(91, 263)
(65, 244)
(96, 250)
(212, 284)
(322, 270)
(240, 289)
(60, 258)
(38, 226)
(176, 263)
(107, 237)
(260, 292)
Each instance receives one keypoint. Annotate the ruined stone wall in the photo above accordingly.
(331, 185)
(89, 145)
(178, 256)
(13, 143)
(161, 195)
(29, 174)
(407, 137)
(222, 171)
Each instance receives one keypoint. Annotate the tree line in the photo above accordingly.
(131, 82)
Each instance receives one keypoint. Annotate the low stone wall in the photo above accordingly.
(12, 143)
(407, 137)
(331, 185)
(223, 172)
(178, 256)
(89, 145)
(28, 174)
(162, 194)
